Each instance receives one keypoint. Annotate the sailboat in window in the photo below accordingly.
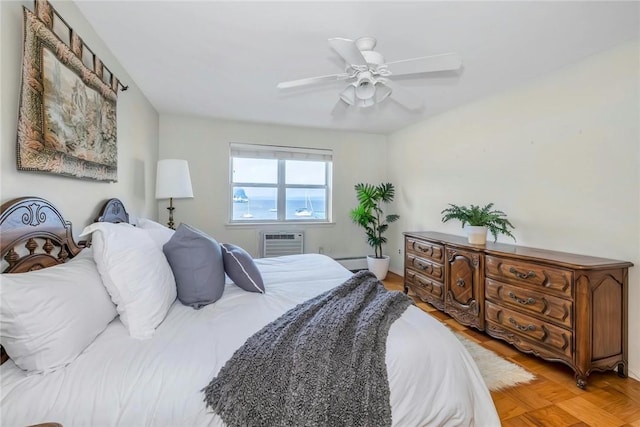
(239, 196)
(307, 211)
(248, 213)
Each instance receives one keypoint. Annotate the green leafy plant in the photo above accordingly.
(370, 215)
(495, 220)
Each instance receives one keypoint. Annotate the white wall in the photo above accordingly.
(357, 157)
(77, 199)
(559, 155)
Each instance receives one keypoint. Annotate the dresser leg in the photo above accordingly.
(622, 370)
(406, 289)
(581, 382)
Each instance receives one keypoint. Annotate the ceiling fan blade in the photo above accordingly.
(426, 64)
(340, 109)
(404, 97)
(313, 80)
(348, 50)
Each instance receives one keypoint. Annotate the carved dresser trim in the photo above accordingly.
(559, 306)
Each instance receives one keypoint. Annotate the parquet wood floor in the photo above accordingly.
(552, 399)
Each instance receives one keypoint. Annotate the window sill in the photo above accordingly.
(306, 224)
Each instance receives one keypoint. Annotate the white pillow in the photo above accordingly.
(158, 232)
(136, 274)
(149, 224)
(49, 316)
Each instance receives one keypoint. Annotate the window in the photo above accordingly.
(285, 184)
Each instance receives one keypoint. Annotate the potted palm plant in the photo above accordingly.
(370, 216)
(479, 220)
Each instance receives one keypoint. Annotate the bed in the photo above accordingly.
(121, 380)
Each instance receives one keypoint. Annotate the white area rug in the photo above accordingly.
(497, 372)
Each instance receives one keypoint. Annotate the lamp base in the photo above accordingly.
(170, 224)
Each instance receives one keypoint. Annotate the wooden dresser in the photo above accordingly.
(559, 306)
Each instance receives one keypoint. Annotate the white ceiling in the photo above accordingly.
(224, 59)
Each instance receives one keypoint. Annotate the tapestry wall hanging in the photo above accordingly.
(67, 115)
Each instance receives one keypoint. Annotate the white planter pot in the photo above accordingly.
(477, 235)
(378, 266)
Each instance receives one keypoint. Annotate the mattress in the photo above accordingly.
(119, 380)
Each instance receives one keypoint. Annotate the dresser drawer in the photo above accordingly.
(423, 286)
(550, 336)
(552, 279)
(428, 250)
(551, 308)
(424, 266)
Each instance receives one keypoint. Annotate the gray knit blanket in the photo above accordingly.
(320, 364)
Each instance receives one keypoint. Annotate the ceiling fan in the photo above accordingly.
(369, 76)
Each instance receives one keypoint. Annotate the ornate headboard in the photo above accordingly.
(112, 211)
(34, 235)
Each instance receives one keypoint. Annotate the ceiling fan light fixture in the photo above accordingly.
(365, 86)
(382, 92)
(364, 103)
(349, 94)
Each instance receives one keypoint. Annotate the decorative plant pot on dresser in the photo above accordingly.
(559, 306)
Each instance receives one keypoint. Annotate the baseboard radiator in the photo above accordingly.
(282, 243)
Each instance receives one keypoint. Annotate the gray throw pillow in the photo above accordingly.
(196, 261)
(240, 267)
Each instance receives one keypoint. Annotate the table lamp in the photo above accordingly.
(173, 182)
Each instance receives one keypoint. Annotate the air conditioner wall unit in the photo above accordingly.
(281, 243)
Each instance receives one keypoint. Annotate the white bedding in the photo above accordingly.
(119, 380)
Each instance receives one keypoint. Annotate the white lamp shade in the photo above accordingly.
(173, 179)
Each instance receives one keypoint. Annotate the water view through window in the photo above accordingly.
(258, 183)
(256, 203)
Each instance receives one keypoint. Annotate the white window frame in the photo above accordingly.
(282, 154)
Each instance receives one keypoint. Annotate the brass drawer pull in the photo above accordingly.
(520, 300)
(521, 327)
(427, 286)
(424, 267)
(460, 282)
(521, 275)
